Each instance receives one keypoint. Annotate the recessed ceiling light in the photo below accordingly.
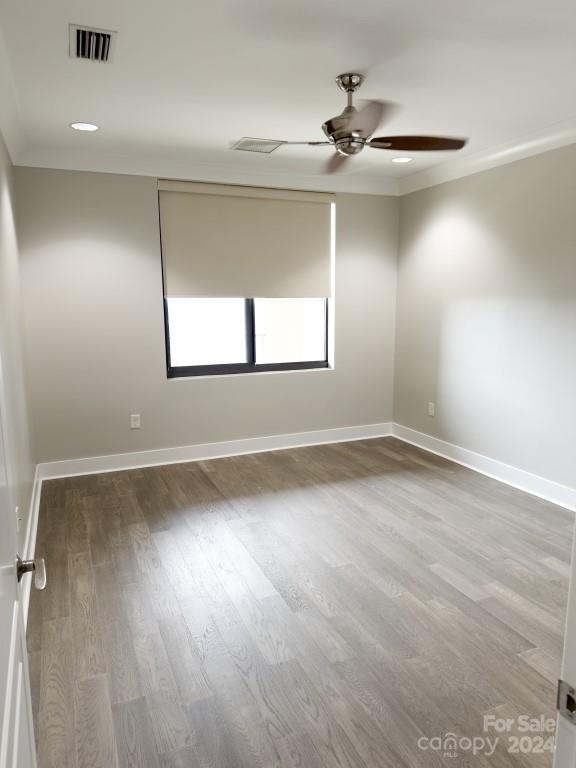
(84, 126)
(402, 159)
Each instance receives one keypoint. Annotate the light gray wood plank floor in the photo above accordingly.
(324, 607)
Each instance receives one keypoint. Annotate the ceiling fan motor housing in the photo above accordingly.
(337, 129)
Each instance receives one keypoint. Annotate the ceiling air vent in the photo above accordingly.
(91, 44)
(247, 144)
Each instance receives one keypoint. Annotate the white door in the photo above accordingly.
(17, 734)
(566, 734)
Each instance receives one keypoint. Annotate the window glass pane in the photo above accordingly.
(290, 330)
(207, 331)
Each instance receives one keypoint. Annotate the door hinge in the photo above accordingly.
(566, 701)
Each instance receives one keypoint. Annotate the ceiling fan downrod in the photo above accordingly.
(347, 142)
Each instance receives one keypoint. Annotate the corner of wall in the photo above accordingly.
(13, 397)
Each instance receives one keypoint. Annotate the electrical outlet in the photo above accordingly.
(431, 409)
(134, 421)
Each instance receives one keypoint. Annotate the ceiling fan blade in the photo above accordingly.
(369, 116)
(417, 143)
(308, 143)
(336, 162)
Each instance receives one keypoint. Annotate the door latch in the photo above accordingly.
(37, 566)
(566, 701)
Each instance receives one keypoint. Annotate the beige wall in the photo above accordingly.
(12, 389)
(95, 335)
(486, 321)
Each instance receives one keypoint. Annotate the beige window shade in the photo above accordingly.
(242, 241)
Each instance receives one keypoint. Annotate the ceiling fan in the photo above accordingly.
(351, 130)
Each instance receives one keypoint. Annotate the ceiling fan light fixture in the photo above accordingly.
(402, 159)
(350, 145)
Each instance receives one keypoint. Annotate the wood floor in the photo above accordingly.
(325, 607)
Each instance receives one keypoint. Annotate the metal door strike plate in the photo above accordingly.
(566, 702)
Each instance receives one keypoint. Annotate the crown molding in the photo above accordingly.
(558, 135)
(63, 158)
(157, 165)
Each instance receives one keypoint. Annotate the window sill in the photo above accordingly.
(202, 377)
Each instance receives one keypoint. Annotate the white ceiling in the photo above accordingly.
(189, 78)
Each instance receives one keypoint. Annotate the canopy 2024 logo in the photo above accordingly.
(517, 735)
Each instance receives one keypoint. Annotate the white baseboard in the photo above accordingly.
(549, 490)
(119, 461)
(518, 478)
(30, 540)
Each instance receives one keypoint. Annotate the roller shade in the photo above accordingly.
(223, 241)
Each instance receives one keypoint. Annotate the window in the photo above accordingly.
(247, 278)
(207, 332)
(289, 330)
(229, 335)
